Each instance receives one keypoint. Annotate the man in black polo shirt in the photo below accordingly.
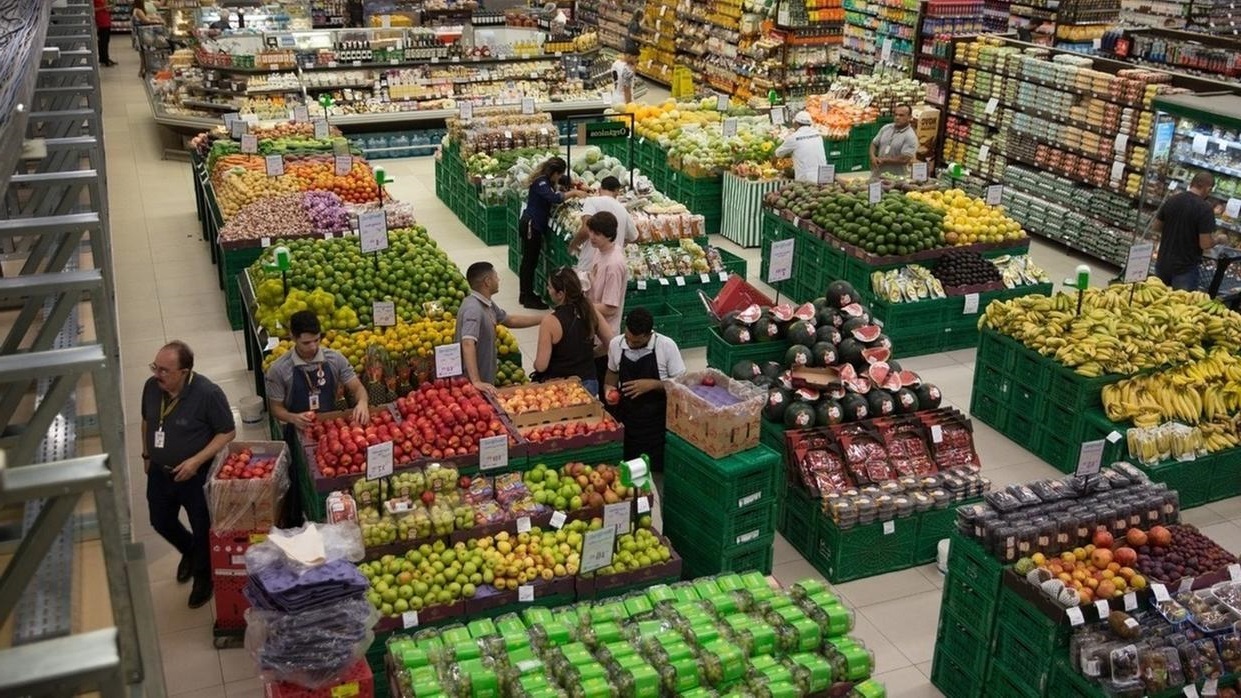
(1186, 227)
(185, 422)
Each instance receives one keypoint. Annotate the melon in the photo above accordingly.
(909, 379)
(824, 354)
(854, 407)
(906, 401)
(827, 413)
(881, 403)
(798, 355)
(782, 312)
(800, 332)
(828, 316)
(805, 311)
(841, 293)
(745, 370)
(763, 381)
(856, 310)
(850, 351)
(771, 369)
(778, 399)
(872, 355)
(878, 340)
(850, 325)
(929, 396)
(835, 391)
(736, 334)
(765, 330)
(868, 334)
(799, 415)
(827, 333)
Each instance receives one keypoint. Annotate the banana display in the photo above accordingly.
(1114, 335)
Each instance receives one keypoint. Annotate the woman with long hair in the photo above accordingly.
(545, 194)
(567, 335)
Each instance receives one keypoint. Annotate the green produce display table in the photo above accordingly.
(488, 221)
(741, 221)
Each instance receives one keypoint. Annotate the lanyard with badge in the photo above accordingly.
(319, 381)
(166, 408)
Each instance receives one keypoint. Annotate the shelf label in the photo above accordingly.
(644, 504)
(1118, 171)
(321, 129)
(721, 102)
(827, 173)
(937, 434)
(680, 280)
(1122, 143)
(527, 105)
(984, 153)
(1114, 436)
(1138, 264)
(780, 266)
(597, 548)
(275, 165)
(467, 111)
(663, 281)
(249, 143)
(448, 360)
(995, 194)
(920, 172)
(409, 619)
(1090, 457)
(777, 116)
(301, 114)
(1210, 687)
(525, 593)
(1160, 591)
(344, 163)
(1190, 691)
(373, 229)
(1076, 617)
(493, 452)
(616, 516)
(1187, 584)
(1200, 144)
(557, 520)
(889, 527)
(385, 21)
(730, 127)
(379, 460)
(357, 64)
(523, 524)
(992, 105)
(1131, 601)
(1102, 608)
(1232, 209)
(971, 304)
(1234, 572)
(875, 192)
(705, 278)
(885, 53)
(641, 284)
(238, 128)
(383, 313)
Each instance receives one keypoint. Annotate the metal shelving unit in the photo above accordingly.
(54, 223)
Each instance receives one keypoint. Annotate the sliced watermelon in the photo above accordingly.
(866, 333)
(783, 312)
(909, 379)
(750, 315)
(876, 354)
(805, 311)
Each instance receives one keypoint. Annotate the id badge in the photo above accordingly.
(314, 402)
(159, 438)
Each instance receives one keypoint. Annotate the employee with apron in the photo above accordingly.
(303, 382)
(639, 361)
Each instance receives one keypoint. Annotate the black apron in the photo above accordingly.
(645, 416)
(308, 380)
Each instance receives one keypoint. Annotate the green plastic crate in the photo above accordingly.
(753, 556)
(771, 435)
(1002, 684)
(716, 537)
(989, 410)
(694, 335)
(722, 355)
(1038, 633)
(1022, 662)
(864, 551)
(231, 263)
(590, 455)
(971, 564)
(996, 351)
(1192, 480)
(933, 526)
(963, 644)
(1074, 391)
(801, 514)
(953, 680)
(736, 482)
(1070, 683)
(973, 605)
(668, 320)
(731, 527)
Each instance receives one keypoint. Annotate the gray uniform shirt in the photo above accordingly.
(891, 143)
(477, 320)
(279, 377)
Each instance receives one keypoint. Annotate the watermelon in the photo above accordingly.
(745, 370)
(800, 332)
(850, 351)
(828, 316)
(929, 396)
(799, 415)
(855, 407)
(848, 327)
(798, 355)
(765, 330)
(827, 333)
(841, 293)
(867, 334)
(880, 403)
(906, 401)
(736, 334)
(778, 399)
(827, 413)
(824, 354)
(771, 369)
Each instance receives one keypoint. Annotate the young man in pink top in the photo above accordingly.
(609, 277)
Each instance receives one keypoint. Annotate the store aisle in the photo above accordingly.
(167, 289)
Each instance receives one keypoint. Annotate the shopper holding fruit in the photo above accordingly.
(543, 196)
(567, 337)
(1186, 226)
(639, 361)
(186, 421)
(894, 147)
(476, 325)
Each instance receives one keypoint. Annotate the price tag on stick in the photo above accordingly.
(875, 192)
(616, 516)
(780, 268)
(730, 127)
(493, 452)
(448, 360)
(1232, 209)
(321, 129)
(971, 304)
(777, 116)
(373, 229)
(379, 460)
(995, 194)
(919, 172)
(1090, 458)
(467, 111)
(383, 313)
(597, 548)
(1138, 264)
(275, 165)
(558, 519)
(249, 143)
(827, 174)
(343, 164)
(301, 114)
(527, 105)
(525, 593)
(721, 102)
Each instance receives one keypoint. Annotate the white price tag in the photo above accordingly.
(705, 278)
(1121, 143)
(383, 313)
(920, 172)
(1200, 144)
(301, 114)
(1076, 617)
(558, 519)
(1114, 437)
(597, 548)
(885, 52)
(1210, 687)
(680, 280)
(995, 194)
(466, 111)
(644, 505)
(1131, 601)
(971, 304)
(777, 116)
(332, 64)
(379, 460)
(321, 129)
(275, 165)
(373, 228)
(527, 105)
(875, 192)
(1138, 263)
(409, 619)
(329, 236)
(663, 281)
(343, 164)
(1102, 608)
(525, 593)
(448, 360)
(780, 266)
(357, 64)
(238, 128)
(1187, 584)
(984, 152)
(386, 21)
(523, 524)
(1232, 209)
(1234, 572)
(641, 284)
(730, 127)
(723, 276)
(249, 143)
(1096, 44)
(827, 173)
(1090, 458)
(1160, 591)
(264, 242)
(889, 527)
(1190, 691)
(937, 434)
(721, 102)
(616, 516)
(493, 452)
(1118, 171)
(992, 105)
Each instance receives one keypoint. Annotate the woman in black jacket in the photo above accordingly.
(544, 195)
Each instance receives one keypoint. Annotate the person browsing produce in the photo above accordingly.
(805, 144)
(622, 78)
(639, 361)
(476, 325)
(605, 200)
(186, 421)
(544, 194)
(567, 336)
(896, 144)
(1186, 227)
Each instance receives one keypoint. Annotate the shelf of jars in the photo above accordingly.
(657, 47)
(1154, 13)
(1220, 17)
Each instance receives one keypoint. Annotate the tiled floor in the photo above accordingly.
(167, 290)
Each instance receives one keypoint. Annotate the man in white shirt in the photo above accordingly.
(622, 78)
(605, 200)
(639, 361)
(805, 144)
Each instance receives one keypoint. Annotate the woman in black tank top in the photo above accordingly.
(567, 336)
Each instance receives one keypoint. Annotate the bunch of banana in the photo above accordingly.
(1197, 391)
(1219, 435)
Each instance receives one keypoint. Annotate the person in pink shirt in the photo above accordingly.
(609, 277)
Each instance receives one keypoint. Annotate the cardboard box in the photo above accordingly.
(248, 505)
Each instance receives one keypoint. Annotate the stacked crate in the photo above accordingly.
(720, 513)
(967, 617)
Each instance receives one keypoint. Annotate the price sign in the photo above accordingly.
(373, 228)
(827, 174)
(1190, 691)
(409, 619)
(343, 163)
(721, 102)
(321, 129)
(1131, 601)
(466, 111)
(992, 105)
(644, 505)
(249, 143)
(1138, 263)
(1121, 143)
(1234, 572)
(1200, 144)
(971, 304)
(663, 281)
(525, 593)
(275, 165)
(1090, 457)
(1113, 437)
(1160, 591)
(705, 278)
(730, 127)
(383, 313)
(937, 434)
(885, 52)
(1210, 687)
(983, 153)
(777, 116)
(920, 172)
(995, 194)
(448, 360)
(1076, 617)
(265, 242)
(780, 268)
(597, 547)
(723, 276)
(238, 128)
(527, 105)
(301, 114)
(379, 460)
(493, 452)
(1096, 44)
(616, 516)
(1102, 608)
(558, 519)
(875, 192)
(889, 527)
(1187, 584)
(523, 524)
(1232, 209)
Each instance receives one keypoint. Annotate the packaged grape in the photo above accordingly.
(767, 669)
(1212, 665)
(1024, 495)
(1080, 643)
(851, 660)
(1192, 662)
(634, 679)
(722, 662)
(488, 513)
(510, 487)
(807, 588)
(1229, 645)
(1171, 610)
(1003, 501)
(1124, 664)
(441, 477)
(812, 673)
(679, 676)
(340, 506)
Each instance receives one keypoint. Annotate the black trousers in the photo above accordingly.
(531, 248)
(166, 498)
(105, 35)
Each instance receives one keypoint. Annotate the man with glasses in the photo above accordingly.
(186, 421)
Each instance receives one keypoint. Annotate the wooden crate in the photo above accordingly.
(715, 430)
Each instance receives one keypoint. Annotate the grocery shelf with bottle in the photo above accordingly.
(1163, 14)
(122, 21)
(1204, 55)
(657, 52)
(810, 35)
(1220, 17)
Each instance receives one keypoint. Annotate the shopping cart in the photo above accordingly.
(1219, 278)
